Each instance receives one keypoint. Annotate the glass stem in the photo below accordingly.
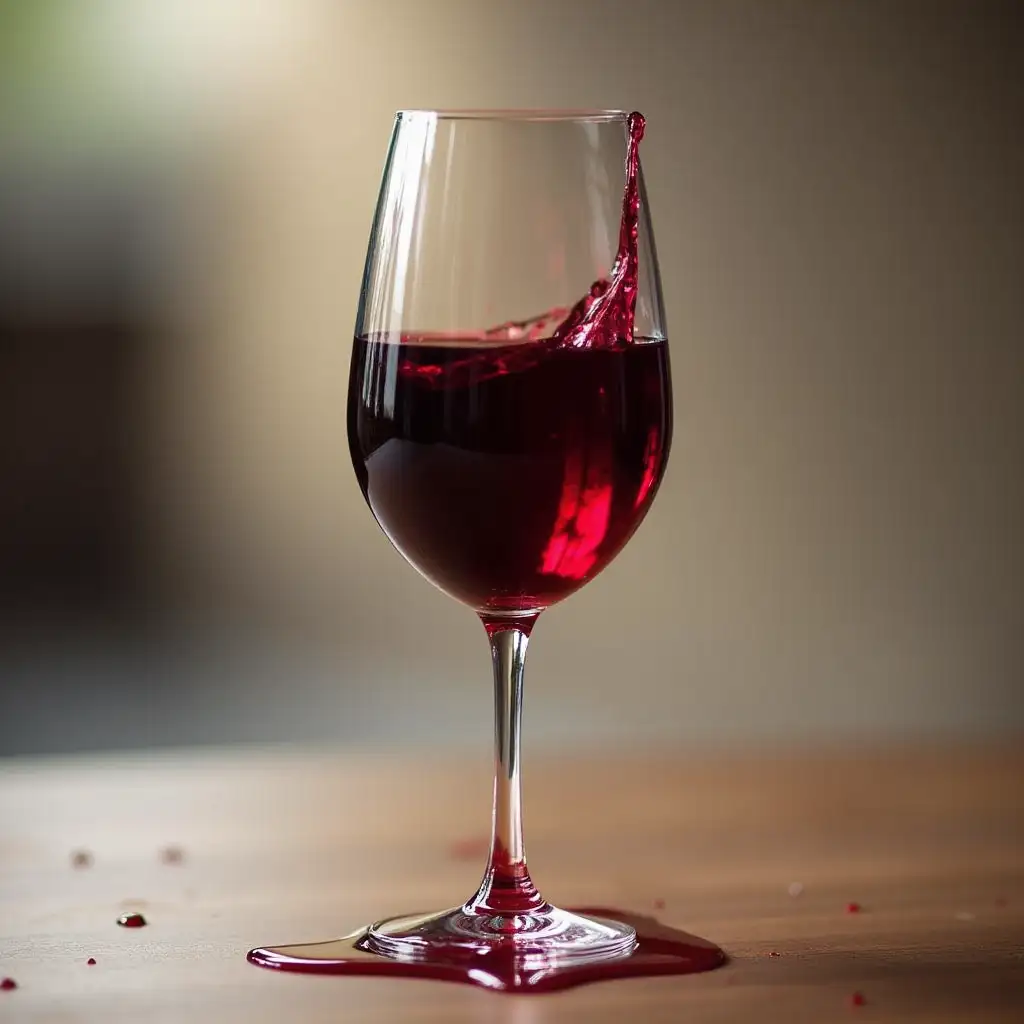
(506, 888)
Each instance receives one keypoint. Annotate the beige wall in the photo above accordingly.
(838, 201)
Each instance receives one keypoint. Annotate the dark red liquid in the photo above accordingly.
(8, 985)
(131, 921)
(509, 490)
(511, 466)
(660, 950)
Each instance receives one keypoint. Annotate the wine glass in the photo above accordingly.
(509, 420)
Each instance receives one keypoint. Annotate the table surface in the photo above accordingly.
(284, 846)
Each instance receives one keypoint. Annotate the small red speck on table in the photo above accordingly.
(857, 999)
(8, 985)
(474, 848)
(853, 908)
(91, 961)
(131, 921)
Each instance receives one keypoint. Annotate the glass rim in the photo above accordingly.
(512, 114)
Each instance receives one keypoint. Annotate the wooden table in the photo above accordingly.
(283, 846)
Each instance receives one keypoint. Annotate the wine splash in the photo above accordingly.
(601, 319)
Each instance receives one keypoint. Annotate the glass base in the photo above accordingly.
(505, 956)
(545, 938)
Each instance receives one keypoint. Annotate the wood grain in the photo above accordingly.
(283, 846)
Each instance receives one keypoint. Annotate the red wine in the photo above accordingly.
(511, 466)
(660, 950)
(133, 920)
(603, 318)
(509, 491)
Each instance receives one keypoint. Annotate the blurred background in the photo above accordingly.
(186, 189)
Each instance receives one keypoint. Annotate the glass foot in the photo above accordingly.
(546, 938)
(445, 947)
